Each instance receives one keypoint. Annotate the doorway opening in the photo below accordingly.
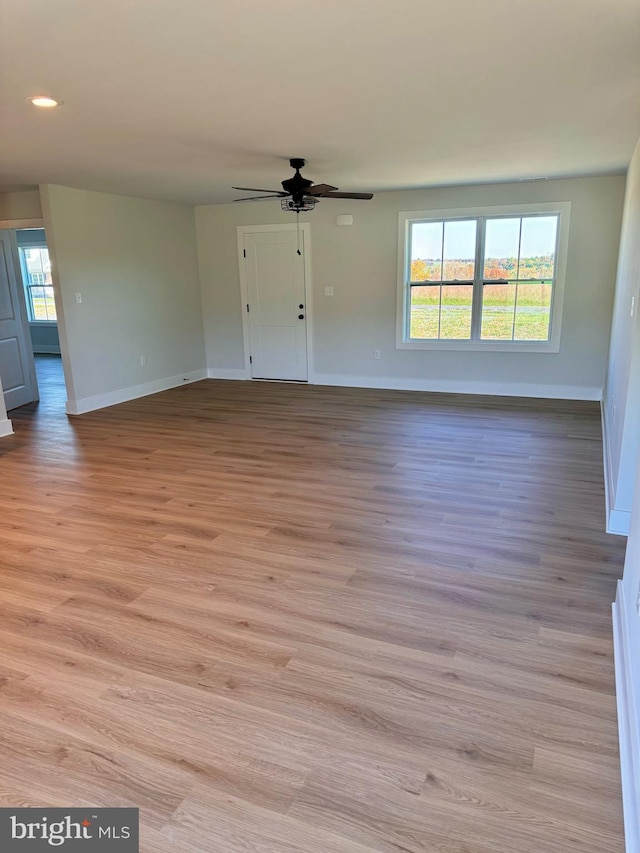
(30, 357)
(35, 269)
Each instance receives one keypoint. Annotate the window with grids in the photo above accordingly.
(36, 274)
(481, 278)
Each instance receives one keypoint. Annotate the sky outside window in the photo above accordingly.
(502, 238)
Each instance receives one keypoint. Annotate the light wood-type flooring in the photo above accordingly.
(291, 619)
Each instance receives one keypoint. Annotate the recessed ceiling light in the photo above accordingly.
(43, 101)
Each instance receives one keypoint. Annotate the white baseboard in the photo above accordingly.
(44, 349)
(122, 395)
(445, 386)
(627, 725)
(617, 520)
(6, 427)
(227, 373)
(452, 386)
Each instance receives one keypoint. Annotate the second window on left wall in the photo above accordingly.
(36, 274)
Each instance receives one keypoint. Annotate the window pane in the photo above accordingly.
(39, 305)
(459, 250)
(425, 312)
(533, 311)
(36, 272)
(502, 241)
(426, 251)
(455, 313)
(538, 247)
(50, 303)
(498, 306)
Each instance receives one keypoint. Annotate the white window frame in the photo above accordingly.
(27, 285)
(406, 217)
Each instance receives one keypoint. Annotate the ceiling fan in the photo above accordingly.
(299, 193)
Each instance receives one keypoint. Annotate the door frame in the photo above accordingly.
(305, 227)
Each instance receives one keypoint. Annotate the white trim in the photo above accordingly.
(617, 521)
(563, 208)
(227, 373)
(305, 227)
(7, 224)
(627, 724)
(481, 346)
(65, 349)
(6, 427)
(444, 386)
(453, 386)
(122, 395)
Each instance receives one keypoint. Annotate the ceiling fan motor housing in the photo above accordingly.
(300, 193)
(297, 185)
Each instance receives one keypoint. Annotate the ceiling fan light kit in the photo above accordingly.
(298, 206)
(299, 194)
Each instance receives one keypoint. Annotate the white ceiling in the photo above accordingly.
(180, 99)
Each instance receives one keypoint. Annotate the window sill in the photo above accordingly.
(51, 323)
(482, 346)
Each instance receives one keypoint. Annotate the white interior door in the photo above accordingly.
(17, 370)
(277, 305)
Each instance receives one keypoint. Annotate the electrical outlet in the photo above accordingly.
(78, 298)
(143, 361)
(328, 291)
(633, 305)
(376, 353)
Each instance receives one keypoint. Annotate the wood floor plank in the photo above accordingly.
(287, 618)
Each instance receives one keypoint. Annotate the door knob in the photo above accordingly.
(300, 316)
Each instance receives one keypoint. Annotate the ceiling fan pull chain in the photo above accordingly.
(298, 230)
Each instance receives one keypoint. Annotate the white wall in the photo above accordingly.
(622, 394)
(20, 205)
(134, 262)
(359, 262)
(627, 647)
(621, 408)
(44, 338)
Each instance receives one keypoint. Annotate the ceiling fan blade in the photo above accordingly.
(320, 189)
(260, 197)
(348, 195)
(256, 190)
